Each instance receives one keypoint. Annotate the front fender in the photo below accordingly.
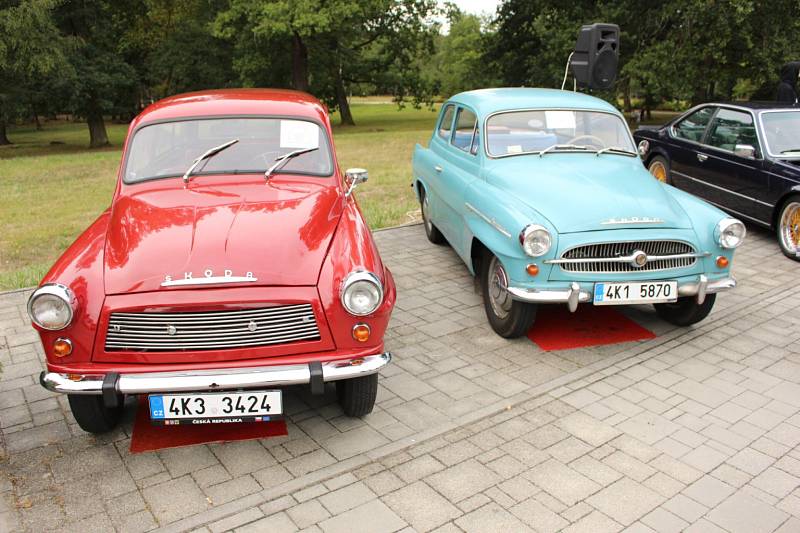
(496, 219)
(81, 269)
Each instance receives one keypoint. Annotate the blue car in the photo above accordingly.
(543, 195)
(743, 157)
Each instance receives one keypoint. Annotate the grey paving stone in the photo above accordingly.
(776, 482)
(709, 491)
(371, 517)
(751, 461)
(175, 499)
(663, 521)
(422, 507)
(588, 429)
(685, 508)
(308, 513)
(625, 501)
(277, 523)
(594, 522)
(491, 518)
(539, 517)
(562, 482)
(741, 513)
(463, 480)
(346, 498)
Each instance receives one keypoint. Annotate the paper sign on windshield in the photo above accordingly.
(557, 120)
(299, 134)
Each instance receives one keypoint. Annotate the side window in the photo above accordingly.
(730, 128)
(465, 127)
(446, 124)
(692, 127)
(476, 141)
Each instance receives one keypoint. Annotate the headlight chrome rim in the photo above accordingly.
(360, 276)
(531, 230)
(723, 226)
(57, 290)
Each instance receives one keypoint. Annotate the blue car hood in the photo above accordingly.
(585, 192)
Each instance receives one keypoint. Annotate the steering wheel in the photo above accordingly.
(600, 143)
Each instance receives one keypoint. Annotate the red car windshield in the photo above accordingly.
(168, 149)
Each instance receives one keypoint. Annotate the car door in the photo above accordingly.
(433, 167)
(686, 137)
(729, 178)
(460, 169)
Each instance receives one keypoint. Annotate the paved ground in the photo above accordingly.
(698, 429)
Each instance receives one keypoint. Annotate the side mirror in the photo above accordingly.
(354, 177)
(745, 150)
(644, 147)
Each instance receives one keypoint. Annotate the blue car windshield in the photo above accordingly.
(782, 129)
(525, 132)
(167, 149)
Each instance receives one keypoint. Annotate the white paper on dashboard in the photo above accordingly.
(299, 134)
(557, 120)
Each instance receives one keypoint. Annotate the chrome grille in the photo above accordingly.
(213, 330)
(612, 250)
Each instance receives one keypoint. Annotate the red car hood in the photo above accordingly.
(277, 233)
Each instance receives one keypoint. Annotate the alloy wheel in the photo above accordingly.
(659, 171)
(790, 227)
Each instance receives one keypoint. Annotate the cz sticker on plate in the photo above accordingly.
(645, 292)
(215, 407)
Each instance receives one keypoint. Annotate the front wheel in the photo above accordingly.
(357, 395)
(789, 228)
(91, 413)
(508, 317)
(686, 311)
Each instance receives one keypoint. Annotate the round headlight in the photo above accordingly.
(535, 240)
(51, 306)
(730, 233)
(362, 293)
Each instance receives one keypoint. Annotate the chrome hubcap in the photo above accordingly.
(498, 295)
(790, 227)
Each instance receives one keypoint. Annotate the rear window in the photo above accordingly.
(446, 124)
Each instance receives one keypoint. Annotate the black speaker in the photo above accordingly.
(594, 61)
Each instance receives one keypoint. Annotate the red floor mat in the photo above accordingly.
(558, 329)
(147, 437)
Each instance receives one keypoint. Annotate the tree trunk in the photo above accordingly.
(341, 100)
(299, 63)
(3, 136)
(97, 130)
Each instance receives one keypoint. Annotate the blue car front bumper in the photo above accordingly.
(575, 292)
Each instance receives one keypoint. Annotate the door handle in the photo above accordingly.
(438, 168)
(702, 157)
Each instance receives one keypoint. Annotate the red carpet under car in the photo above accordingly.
(558, 329)
(147, 437)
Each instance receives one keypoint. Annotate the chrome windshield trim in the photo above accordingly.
(625, 258)
(492, 222)
(681, 174)
(208, 281)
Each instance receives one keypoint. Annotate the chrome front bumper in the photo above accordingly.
(213, 380)
(573, 295)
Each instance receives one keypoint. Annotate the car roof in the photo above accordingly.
(757, 106)
(488, 101)
(222, 102)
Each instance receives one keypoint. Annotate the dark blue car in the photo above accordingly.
(742, 157)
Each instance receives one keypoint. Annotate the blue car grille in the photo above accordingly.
(212, 330)
(611, 250)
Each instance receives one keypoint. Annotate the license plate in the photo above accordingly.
(645, 292)
(215, 407)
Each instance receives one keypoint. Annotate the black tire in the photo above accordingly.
(654, 164)
(92, 415)
(686, 311)
(787, 227)
(508, 318)
(431, 231)
(357, 395)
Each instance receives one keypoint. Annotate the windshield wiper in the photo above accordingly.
(282, 160)
(209, 153)
(790, 150)
(615, 150)
(563, 147)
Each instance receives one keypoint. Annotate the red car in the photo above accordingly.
(233, 260)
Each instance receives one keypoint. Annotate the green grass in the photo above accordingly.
(52, 186)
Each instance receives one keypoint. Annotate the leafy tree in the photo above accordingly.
(30, 49)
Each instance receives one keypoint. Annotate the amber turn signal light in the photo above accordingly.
(361, 332)
(722, 261)
(532, 269)
(62, 347)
